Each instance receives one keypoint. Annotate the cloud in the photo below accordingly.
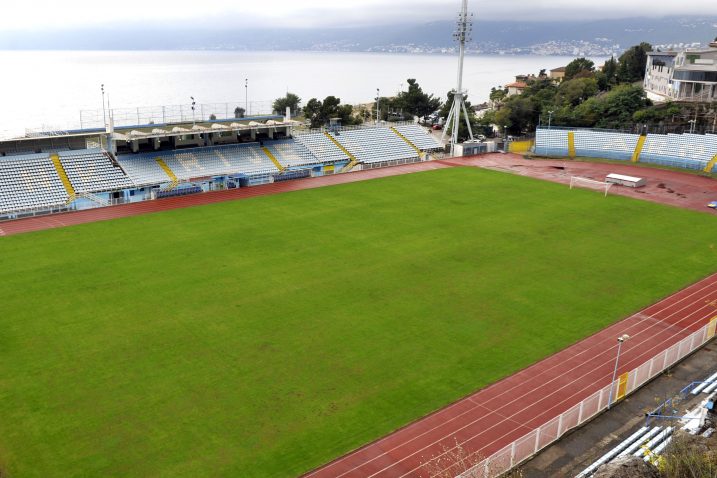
(72, 14)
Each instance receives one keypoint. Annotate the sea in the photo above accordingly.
(48, 89)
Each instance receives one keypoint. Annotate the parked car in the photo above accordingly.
(437, 127)
(712, 204)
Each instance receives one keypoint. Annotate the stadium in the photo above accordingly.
(273, 331)
(224, 296)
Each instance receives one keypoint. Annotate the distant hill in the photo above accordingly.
(596, 37)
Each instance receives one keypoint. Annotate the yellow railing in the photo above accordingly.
(710, 166)
(63, 176)
(638, 148)
(170, 174)
(273, 159)
(353, 159)
(408, 142)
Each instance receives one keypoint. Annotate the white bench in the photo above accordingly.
(628, 181)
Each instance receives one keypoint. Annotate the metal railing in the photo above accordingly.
(369, 125)
(530, 444)
(643, 128)
(164, 114)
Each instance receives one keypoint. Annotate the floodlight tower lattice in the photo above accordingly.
(464, 30)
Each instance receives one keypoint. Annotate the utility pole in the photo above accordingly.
(378, 104)
(464, 28)
(193, 104)
(620, 341)
(104, 111)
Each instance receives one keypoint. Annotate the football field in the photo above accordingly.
(267, 336)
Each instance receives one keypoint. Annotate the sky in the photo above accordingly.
(74, 14)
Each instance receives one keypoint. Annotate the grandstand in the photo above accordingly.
(30, 182)
(322, 148)
(292, 154)
(65, 177)
(375, 145)
(605, 144)
(684, 151)
(420, 138)
(92, 171)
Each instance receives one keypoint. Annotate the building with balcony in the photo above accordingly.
(687, 75)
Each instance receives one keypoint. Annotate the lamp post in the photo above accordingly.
(378, 103)
(550, 118)
(246, 96)
(620, 340)
(104, 111)
(193, 105)
(692, 125)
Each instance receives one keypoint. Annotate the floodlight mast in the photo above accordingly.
(464, 29)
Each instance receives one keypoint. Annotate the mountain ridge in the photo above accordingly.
(599, 37)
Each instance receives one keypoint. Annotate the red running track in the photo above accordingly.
(497, 415)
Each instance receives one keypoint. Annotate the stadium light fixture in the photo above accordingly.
(620, 341)
(378, 103)
(104, 111)
(462, 34)
(193, 104)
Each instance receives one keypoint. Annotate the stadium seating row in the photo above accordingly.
(373, 145)
(30, 182)
(92, 171)
(686, 151)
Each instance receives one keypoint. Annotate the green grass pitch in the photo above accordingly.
(264, 337)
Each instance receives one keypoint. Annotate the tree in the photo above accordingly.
(577, 66)
(497, 95)
(519, 114)
(657, 114)
(617, 107)
(415, 102)
(313, 112)
(290, 101)
(319, 113)
(632, 63)
(239, 112)
(609, 72)
(573, 92)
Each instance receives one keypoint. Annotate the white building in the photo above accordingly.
(687, 75)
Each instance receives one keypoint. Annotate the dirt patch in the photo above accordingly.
(627, 467)
(674, 188)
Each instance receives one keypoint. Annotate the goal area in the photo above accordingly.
(580, 182)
